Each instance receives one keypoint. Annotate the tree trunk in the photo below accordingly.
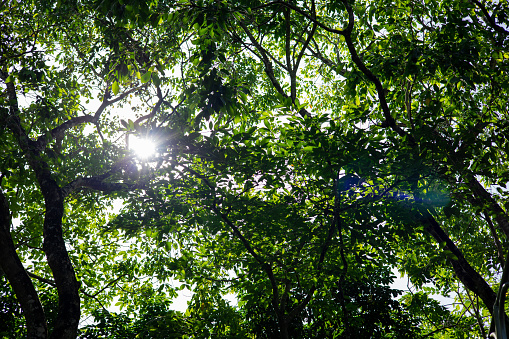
(466, 273)
(18, 277)
(66, 324)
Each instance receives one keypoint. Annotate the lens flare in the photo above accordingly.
(143, 148)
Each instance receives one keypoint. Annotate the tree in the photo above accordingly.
(305, 151)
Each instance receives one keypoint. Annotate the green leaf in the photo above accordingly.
(115, 88)
(156, 80)
(146, 77)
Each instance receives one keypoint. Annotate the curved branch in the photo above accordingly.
(489, 18)
(329, 63)
(66, 323)
(58, 131)
(42, 279)
(99, 182)
(309, 38)
(105, 103)
(21, 283)
(239, 235)
(266, 266)
(496, 240)
(307, 16)
(486, 199)
(466, 273)
(389, 120)
(265, 59)
(98, 185)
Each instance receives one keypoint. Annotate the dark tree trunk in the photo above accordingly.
(466, 273)
(18, 277)
(66, 324)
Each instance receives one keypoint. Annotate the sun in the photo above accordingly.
(143, 148)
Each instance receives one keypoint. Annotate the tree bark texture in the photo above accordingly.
(466, 273)
(66, 324)
(18, 277)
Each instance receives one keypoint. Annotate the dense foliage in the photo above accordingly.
(306, 153)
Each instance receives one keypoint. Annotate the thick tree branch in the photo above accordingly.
(66, 323)
(58, 132)
(470, 277)
(485, 199)
(265, 59)
(18, 277)
(489, 18)
(97, 185)
(389, 120)
(69, 312)
(467, 275)
(41, 279)
(100, 183)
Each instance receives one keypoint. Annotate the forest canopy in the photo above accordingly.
(300, 155)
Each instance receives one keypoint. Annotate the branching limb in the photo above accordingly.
(291, 71)
(107, 286)
(498, 244)
(106, 102)
(464, 271)
(265, 265)
(438, 330)
(42, 279)
(326, 61)
(99, 182)
(98, 185)
(307, 16)
(477, 314)
(486, 199)
(18, 277)
(265, 59)
(389, 120)
(490, 18)
(154, 110)
(308, 39)
(235, 230)
(58, 132)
